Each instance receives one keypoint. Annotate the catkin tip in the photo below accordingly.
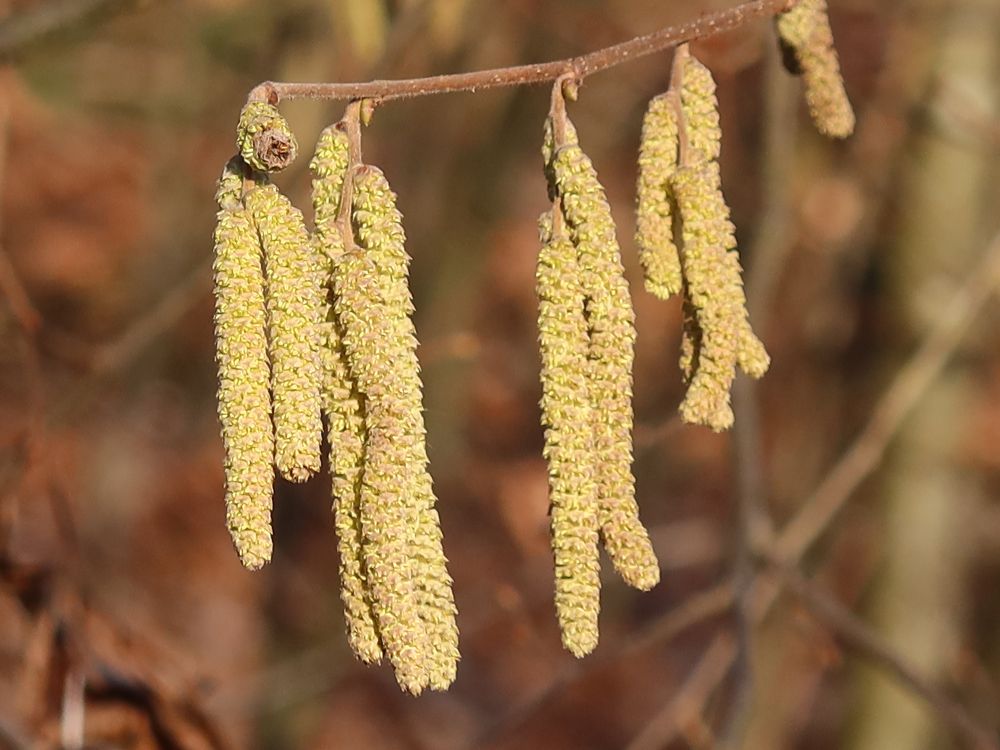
(264, 138)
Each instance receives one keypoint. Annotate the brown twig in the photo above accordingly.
(688, 703)
(860, 639)
(767, 256)
(865, 453)
(22, 29)
(580, 67)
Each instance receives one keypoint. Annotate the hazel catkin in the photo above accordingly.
(264, 139)
(714, 290)
(294, 305)
(805, 31)
(654, 214)
(342, 404)
(611, 322)
(241, 353)
(407, 571)
(568, 418)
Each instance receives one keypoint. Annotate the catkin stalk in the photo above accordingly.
(568, 417)
(241, 354)
(342, 405)
(294, 306)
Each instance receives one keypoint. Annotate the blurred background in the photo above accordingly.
(869, 455)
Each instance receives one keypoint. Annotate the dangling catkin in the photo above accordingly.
(700, 107)
(568, 417)
(264, 139)
(241, 353)
(342, 405)
(716, 332)
(654, 215)
(407, 571)
(714, 288)
(294, 306)
(611, 322)
(805, 29)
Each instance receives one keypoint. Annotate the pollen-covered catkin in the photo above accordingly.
(264, 139)
(380, 231)
(342, 406)
(805, 30)
(654, 214)
(714, 289)
(568, 418)
(294, 306)
(407, 570)
(241, 354)
(700, 106)
(329, 168)
(611, 322)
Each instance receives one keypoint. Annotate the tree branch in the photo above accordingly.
(859, 638)
(580, 67)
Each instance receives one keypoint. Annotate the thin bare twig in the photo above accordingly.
(580, 67)
(695, 610)
(859, 638)
(767, 257)
(904, 392)
(688, 703)
(21, 29)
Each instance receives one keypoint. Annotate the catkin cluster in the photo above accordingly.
(587, 337)
(807, 43)
(314, 325)
(688, 244)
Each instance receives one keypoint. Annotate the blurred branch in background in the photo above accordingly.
(23, 28)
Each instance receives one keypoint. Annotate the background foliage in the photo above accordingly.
(121, 599)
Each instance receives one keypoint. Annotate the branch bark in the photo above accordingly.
(580, 67)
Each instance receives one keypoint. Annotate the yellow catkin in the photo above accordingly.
(294, 307)
(714, 290)
(805, 30)
(410, 585)
(342, 405)
(611, 321)
(654, 215)
(264, 139)
(567, 414)
(241, 354)
(700, 106)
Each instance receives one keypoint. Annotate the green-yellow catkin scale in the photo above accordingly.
(654, 215)
(806, 30)
(714, 289)
(407, 570)
(294, 306)
(342, 405)
(611, 321)
(264, 139)
(241, 353)
(567, 414)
